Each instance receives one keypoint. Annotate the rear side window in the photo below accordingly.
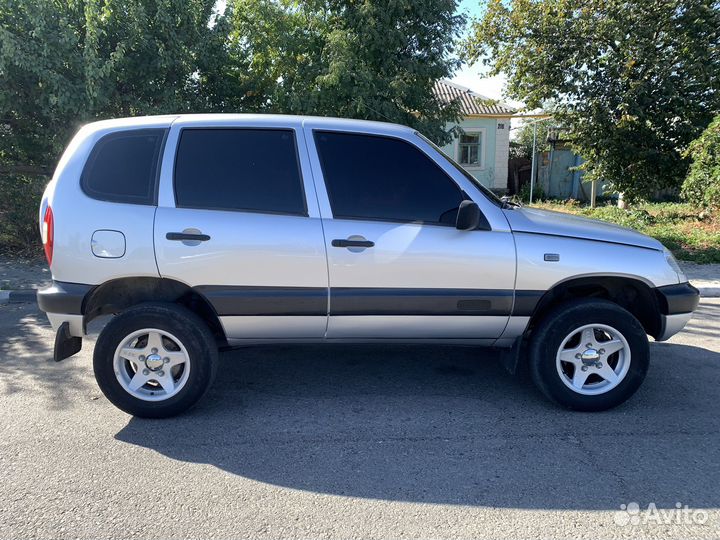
(254, 170)
(124, 166)
(382, 178)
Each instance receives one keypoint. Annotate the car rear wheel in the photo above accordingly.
(155, 360)
(589, 355)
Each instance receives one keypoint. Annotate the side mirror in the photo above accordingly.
(468, 216)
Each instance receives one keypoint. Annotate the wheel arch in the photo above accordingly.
(116, 295)
(630, 293)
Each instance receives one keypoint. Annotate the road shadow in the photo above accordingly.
(26, 358)
(448, 425)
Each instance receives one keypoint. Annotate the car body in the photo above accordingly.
(301, 229)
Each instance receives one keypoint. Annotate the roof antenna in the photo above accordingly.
(373, 110)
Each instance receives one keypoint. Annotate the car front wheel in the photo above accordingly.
(589, 355)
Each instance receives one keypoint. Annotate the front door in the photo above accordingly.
(241, 230)
(398, 267)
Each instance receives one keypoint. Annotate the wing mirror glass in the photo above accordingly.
(468, 216)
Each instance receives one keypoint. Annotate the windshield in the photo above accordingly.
(489, 194)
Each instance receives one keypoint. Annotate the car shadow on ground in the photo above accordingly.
(449, 425)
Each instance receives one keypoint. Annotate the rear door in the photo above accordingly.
(398, 266)
(238, 221)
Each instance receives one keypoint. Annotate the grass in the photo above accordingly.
(691, 234)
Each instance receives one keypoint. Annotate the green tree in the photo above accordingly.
(522, 143)
(635, 81)
(63, 63)
(368, 59)
(702, 185)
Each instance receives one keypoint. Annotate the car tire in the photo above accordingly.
(155, 360)
(571, 360)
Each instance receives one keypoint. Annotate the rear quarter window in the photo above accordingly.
(124, 166)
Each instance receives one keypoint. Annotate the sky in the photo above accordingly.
(474, 77)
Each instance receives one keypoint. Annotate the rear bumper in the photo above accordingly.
(62, 297)
(63, 302)
(676, 303)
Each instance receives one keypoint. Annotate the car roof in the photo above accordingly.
(249, 120)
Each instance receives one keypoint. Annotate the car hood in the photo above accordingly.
(532, 220)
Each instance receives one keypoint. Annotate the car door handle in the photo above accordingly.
(338, 242)
(198, 237)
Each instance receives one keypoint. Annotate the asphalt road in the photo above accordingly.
(357, 442)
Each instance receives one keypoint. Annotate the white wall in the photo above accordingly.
(502, 152)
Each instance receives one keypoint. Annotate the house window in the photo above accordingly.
(470, 149)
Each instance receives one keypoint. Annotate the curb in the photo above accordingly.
(21, 296)
(709, 292)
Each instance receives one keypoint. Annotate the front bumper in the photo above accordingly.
(676, 303)
(672, 324)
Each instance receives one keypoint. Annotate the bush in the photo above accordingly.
(538, 192)
(702, 185)
(19, 206)
(691, 234)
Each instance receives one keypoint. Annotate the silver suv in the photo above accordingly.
(200, 232)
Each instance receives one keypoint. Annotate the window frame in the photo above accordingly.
(482, 134)
(462, 192)
(301, 179)
(152, 199)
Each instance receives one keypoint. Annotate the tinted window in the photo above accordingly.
(371, 177)
(239, 169)
(486, 191)
(123, 166)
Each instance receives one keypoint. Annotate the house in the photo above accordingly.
(483, 147)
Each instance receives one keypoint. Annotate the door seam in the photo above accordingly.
(322, 226)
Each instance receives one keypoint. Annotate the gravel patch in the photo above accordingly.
(23, 274)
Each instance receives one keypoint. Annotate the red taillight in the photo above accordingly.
(48, 234)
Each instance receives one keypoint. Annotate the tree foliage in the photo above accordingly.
(368, 59)
(702, 185)
(63, 63)
(635, 80)
(522, 143)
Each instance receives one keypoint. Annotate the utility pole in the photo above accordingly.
(534, 158)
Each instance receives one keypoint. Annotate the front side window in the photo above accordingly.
(382, 178)
(123, 166)
(474, 181)
(254, 170)
(470, 149)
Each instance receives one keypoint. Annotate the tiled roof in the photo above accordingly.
(470, 102)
